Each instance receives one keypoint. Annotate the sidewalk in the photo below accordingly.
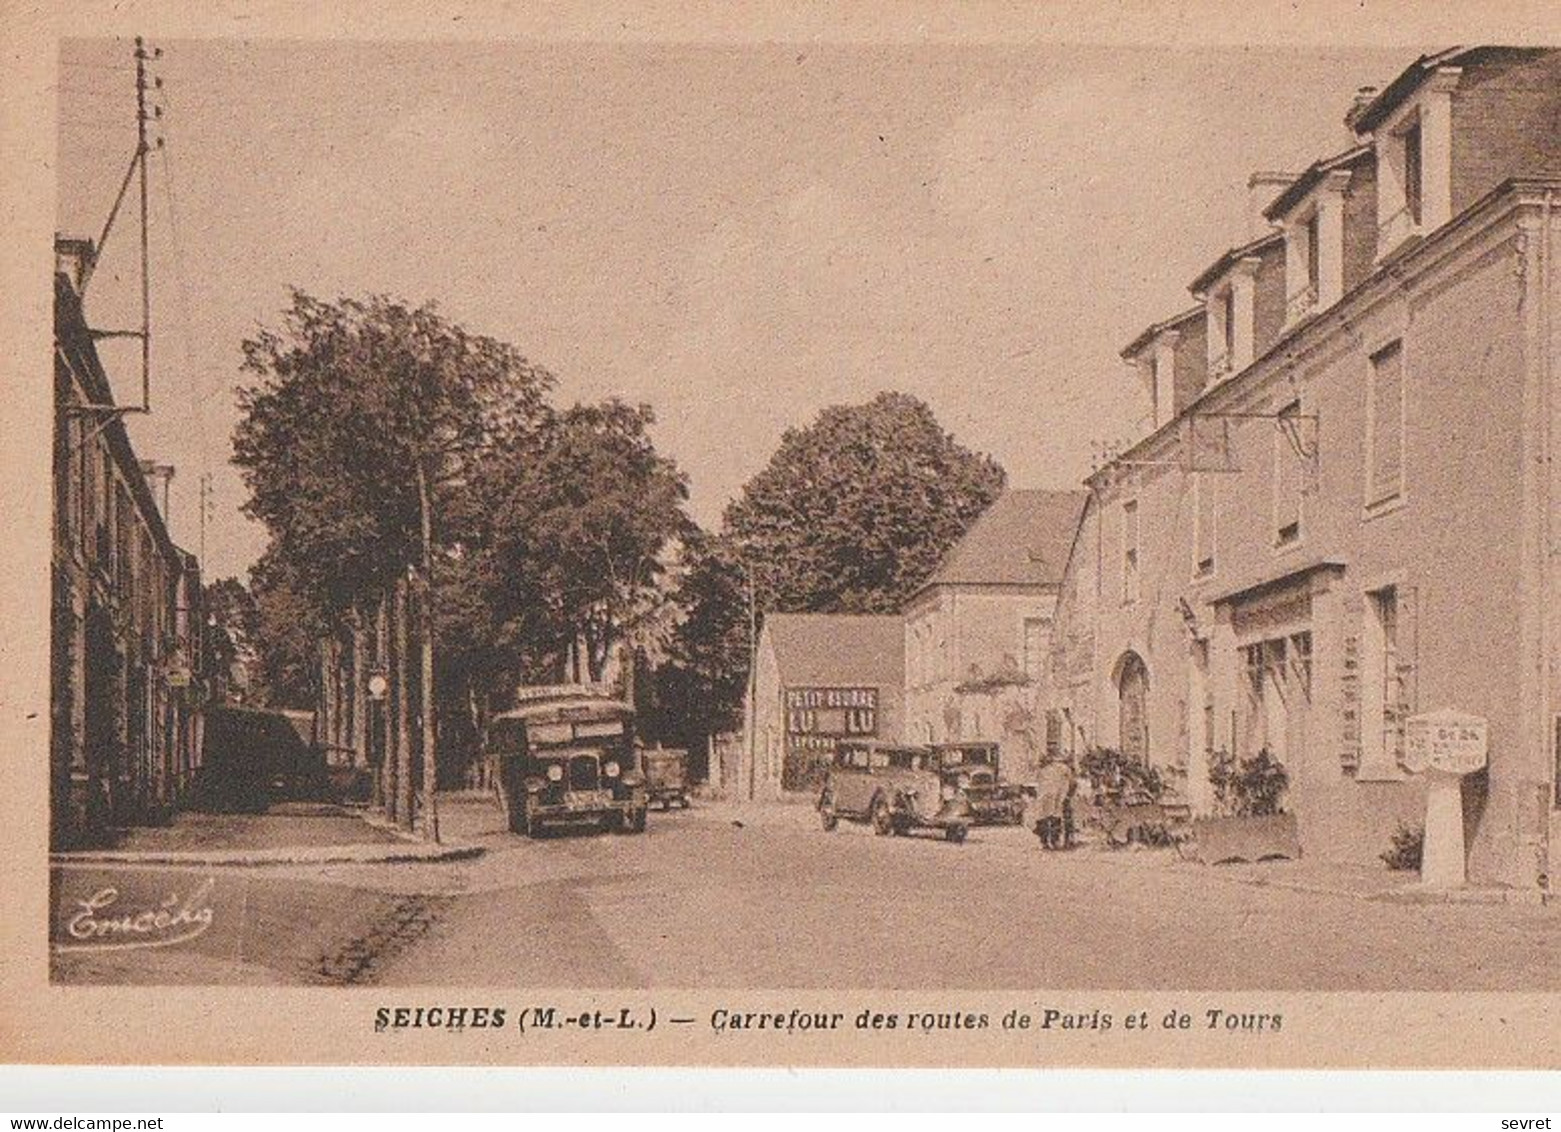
(287, 834)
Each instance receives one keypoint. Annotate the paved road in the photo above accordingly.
(719, 898)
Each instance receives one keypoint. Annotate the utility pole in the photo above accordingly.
(145, 113)
(205, 486)
(425, 608)
(146, 282)
(753, 683)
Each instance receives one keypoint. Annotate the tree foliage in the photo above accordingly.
(584, 527)
(350, 401)
(853, 513)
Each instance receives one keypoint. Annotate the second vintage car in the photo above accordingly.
(973, 767)
(897, 789)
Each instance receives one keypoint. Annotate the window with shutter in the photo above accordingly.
(1385, 420)
(1287, 477)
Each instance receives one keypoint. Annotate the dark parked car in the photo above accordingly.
(895, 788)
(666, 776)
(974, 768)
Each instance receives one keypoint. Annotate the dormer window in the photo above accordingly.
(1311, 229)
(1313, 223)
(1231, 304)
(1414, 162)
(1414, 174)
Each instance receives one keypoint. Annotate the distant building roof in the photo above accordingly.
(1137, 345)
(1316, 171)
(1209, 274)
(1368, 113)
(1023, 539)
(838, 649)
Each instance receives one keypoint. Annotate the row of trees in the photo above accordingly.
(425, 498)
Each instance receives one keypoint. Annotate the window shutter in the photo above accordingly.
(1353, 609)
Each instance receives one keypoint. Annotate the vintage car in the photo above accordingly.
(895, 788)
(973, 767)
(666, 776)
(565, 755)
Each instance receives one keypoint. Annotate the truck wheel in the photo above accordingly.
(634, 821)
(956, 834)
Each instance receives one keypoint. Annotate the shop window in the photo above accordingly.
(1301, 661)
(1385, 425)
(1384, 707)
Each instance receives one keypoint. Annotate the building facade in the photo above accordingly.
(978, 635)
(1346, 512)
(818, 678)
(126, 680)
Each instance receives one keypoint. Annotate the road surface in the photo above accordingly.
(763, 898)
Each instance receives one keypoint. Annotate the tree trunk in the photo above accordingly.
(322, 717)
(426, 616)
(403, 712)
(378, 734)
(360, 690)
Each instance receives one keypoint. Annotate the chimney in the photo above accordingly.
(1363, 98)
(73, 258)
(1262, 187)
(162, 476)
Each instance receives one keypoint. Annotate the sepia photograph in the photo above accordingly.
(790, 537)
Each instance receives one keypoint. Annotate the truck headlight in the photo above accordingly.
(611, 770)
(555, 773)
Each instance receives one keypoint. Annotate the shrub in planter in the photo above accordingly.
(1406, 848)
(1114, 777)
(1250, 787)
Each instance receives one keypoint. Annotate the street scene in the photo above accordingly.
(843, 517)
(708, 899)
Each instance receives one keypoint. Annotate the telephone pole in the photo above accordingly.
(146, 112)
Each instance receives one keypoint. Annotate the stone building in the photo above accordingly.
(818, 678)
(126, 678)
(1346, 511)
(978, 633)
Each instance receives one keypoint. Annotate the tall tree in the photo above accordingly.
(585, 529)
(362, 419)
(231, 632)
(851, 515)
(853, 512)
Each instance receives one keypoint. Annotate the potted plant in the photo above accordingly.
(1251, 823)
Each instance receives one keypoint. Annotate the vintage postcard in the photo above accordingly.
(902, 535)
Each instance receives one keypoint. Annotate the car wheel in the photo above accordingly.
(956, 834)
(883, 819)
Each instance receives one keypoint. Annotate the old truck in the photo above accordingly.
(565, 755)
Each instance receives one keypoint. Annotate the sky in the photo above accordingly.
(738, 235)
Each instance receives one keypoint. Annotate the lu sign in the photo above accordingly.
(1450, 741)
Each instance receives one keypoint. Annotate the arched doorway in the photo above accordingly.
(1133, 707)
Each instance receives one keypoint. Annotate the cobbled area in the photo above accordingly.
(357, 963)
